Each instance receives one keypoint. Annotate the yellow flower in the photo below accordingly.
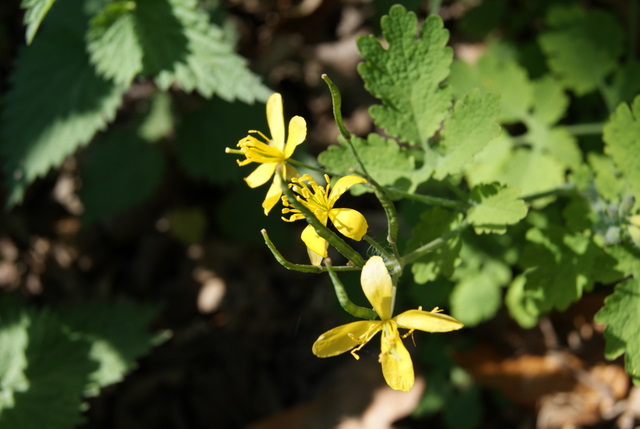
(272, 153)
(320, 202)
(397, 367)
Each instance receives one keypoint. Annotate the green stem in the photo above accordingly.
(336, 101)
(431, 246)
(324, 232)
(432, 201)
(435, 7)
(343, 298)
(561, 190)
(312, 167)
(381, 250)
(299, 267)
(585, 129)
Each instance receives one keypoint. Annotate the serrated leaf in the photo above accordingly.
(202, 136)
(49, 115)
(582, 46)
(118, 334)
(35, 11)
(442, 260)
(113, 43)
(407, 76)
(620, 313)
(471, 125)
(495, 206)
(622, 143)
(387, 162)
(55, 371)
(106, 190)
(173, 42)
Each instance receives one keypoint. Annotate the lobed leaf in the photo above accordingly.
(621, 315)
(622, 143)
(582, 46)
(471, 125)
(494, 206)
(407, 76)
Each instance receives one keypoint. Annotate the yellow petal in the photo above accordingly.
(397, 367)
(342, 185)
(349, 222)
(275, 119)
(290, 172)
(314, 242)
(344, 338)
(377, 286)
(261, 175)
(427, 321)
(297, 134)
(314, 257)
(273, 194)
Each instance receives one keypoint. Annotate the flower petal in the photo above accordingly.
(261, 175)
(349, 222)
(273, 194)
(345, 337)
(377, 286)
(314, 257)
(297, 134)
(314, 242)
(397, 367)
(275, 119)
(427, 321)
(342, 185)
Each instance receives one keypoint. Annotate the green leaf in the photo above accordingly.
(173, 42)
(470, 127)
(118, 334)
(622, 143)
(606, 179)
(480, 280)
(521, 308)
(49, 115)
(35, 11)
(498, 74)
(625, 83)
(106, 190)
(407, 76)
(113, 43)
(561, 266)
(495, 206)
(530, 171)
(433, 224)
(159, 121)
(582, 46)
(387, 162)
(620, 313)
(43, 381)
(203, 135)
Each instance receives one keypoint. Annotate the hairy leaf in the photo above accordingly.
(407, 76)
(35, 11)
(49, 115)
(470, 127)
